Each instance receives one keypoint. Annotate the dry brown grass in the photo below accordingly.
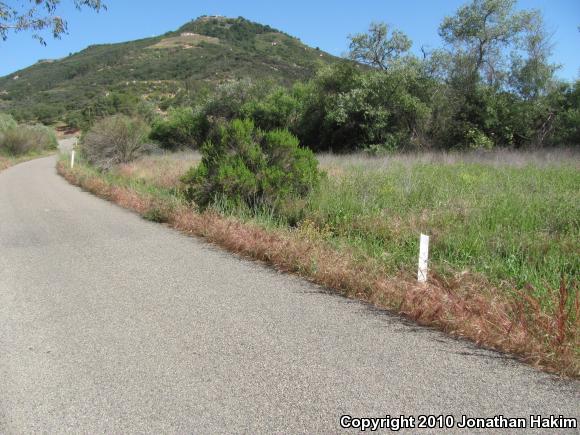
(5, 162)
(464, 306)
(162, 171)
(184, 41)
(336, 164)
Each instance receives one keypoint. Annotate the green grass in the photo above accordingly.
(519, 225)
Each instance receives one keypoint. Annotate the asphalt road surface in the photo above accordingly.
(109, 323)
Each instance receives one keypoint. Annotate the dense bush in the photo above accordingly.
(18, 140)
(249, 166)
(476, 139)
(480, 91)
(112, 103)
(379, 108)
(182, 129)
(227, 99)
(280, 109)
(342, 109)
(114, 140)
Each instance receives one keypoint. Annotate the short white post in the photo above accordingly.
(423, 258)
(72, 159)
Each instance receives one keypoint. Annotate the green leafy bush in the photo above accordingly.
(18, 140)
(349, 108)
(252, 167)
(114, 140)
(182, 128)
(278, 109)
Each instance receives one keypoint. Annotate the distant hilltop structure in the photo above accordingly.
(210, 17)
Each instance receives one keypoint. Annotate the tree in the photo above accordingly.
(479, 34)
(532, 74)
(496, 74)
(380, 47)
(38, 15)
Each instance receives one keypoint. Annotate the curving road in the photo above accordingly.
(109, 323)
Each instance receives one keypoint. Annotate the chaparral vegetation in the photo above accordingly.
(22, 142)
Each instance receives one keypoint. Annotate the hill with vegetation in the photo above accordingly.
(160, 71)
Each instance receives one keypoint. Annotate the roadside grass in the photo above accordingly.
(7, 160)
(162, 171)
(504, 252)
(517, 226)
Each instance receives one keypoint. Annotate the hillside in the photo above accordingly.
(200, 54)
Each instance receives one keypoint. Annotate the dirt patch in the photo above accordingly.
(185, 40)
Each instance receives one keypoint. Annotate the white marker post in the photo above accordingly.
(72, 159)
(423, 258)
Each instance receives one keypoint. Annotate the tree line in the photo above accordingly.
(492, 84)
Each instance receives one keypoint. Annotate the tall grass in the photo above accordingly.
(498, 157)
(517, 226)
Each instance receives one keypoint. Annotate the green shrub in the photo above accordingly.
(227, 99)
(279, 109)
(252, 167)
(114, 140)
(24, 139)
(6, 122)
(75, 120)
(182, 128)
(45, 136)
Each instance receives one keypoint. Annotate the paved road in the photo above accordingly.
(66, 145)
(109, 323)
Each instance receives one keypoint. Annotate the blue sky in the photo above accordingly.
(324, 24)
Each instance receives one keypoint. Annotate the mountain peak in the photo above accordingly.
(226, 28)
(160, 70)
